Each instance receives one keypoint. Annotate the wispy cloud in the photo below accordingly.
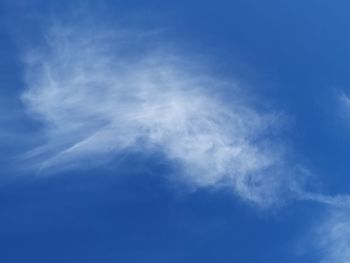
(100, 92)
(331, 237)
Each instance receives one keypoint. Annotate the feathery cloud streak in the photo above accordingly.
(101, 93)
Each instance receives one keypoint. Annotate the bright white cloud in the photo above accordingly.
(99, 94)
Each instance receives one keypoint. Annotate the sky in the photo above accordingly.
(174, 131)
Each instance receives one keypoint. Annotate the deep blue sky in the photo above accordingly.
(293, 54)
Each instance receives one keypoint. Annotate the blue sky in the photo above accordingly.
(174, 131)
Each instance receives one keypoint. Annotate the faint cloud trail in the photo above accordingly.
(331, 237)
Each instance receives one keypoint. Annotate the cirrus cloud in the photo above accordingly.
(98, 93)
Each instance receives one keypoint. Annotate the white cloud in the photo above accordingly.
(334, 201)
(332, 236)
(99, 94)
